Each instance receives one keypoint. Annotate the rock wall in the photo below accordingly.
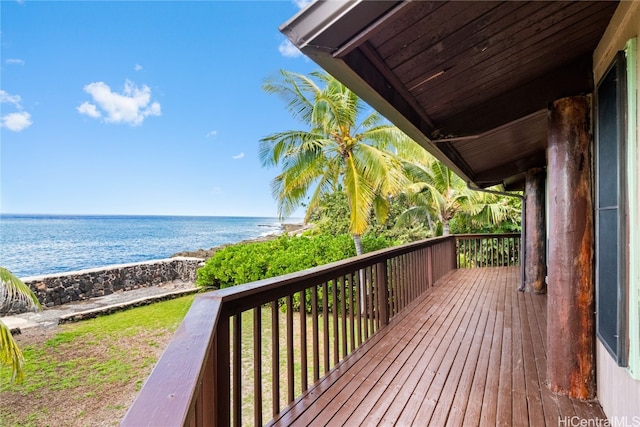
(57, 289)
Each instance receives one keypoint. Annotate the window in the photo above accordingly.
(610, 215)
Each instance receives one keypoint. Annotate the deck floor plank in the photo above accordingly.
(355, 410)
(476, 394)
(505, 389)
(460, 377)
(430, 367)
(520, 412)
(489, 414)
(470, 351)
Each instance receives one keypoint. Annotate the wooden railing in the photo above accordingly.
(482, 250)
(242, 354)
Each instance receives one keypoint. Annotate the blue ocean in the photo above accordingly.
(42, 244)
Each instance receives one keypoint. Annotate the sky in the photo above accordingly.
(141, 108)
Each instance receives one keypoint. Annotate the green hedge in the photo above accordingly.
(248, 262)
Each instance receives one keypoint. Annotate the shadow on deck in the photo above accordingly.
(469, 351)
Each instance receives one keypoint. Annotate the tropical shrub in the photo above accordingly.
(248, 262)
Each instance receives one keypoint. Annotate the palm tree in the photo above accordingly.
(345, 146)
(13, 291)
(438, 194)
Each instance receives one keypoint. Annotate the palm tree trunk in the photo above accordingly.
(357, 240)
(445, 227)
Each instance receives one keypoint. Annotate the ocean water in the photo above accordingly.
(43, 244)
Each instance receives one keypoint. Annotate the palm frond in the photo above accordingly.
(381, 208)
(272, 149)
(382, 169)
(10, 354)
(296, 90)
(415, 214)
(13, 291)
(360, 196)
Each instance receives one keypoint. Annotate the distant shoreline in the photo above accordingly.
(290, 229)
(35, 245)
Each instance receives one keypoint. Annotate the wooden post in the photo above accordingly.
(536, 232)
(222, 373)
(383, 292)
(570, 305)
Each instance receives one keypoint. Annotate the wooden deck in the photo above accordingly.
(471, 351)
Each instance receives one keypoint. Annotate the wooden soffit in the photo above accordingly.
(469, 81)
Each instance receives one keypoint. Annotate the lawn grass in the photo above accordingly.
(85, 366)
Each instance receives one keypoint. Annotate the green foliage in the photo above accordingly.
(248, 262)
(331, 216)
(13, 291)
(46, 369)
(510, 221)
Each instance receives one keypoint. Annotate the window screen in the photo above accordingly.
(610, 207)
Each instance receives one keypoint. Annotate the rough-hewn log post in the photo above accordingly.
(536, 232)
(570, 320)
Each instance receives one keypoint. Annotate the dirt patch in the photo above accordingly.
(103, 395)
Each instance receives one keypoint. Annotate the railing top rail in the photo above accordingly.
(481, 235)
(169, 393)
(249, 295)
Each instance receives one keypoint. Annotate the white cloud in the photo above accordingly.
(15, 61)
(137, 67)
(131, 106)
(17, 121)
(302, 3)
(5, 98)
(211, 134)
(288, 50)
(89, 110)
(238, 156)
(216, 190)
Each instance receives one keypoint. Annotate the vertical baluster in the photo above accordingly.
(303, 340)
(403, 281)
(334, 310)
(290, 363)
(420, 269)
(314, 320)
(394, 269)
(383, 293)
(393, 285)
(222, 361)
(465, 252)
(368, 278)
(275, 359)
(352, 307)
(257, 366)
(359, 305)
(237, 369)
(475, 254)
(343, 314)
(411, 276)
(325, 329)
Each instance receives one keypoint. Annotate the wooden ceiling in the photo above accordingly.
(470, 81)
